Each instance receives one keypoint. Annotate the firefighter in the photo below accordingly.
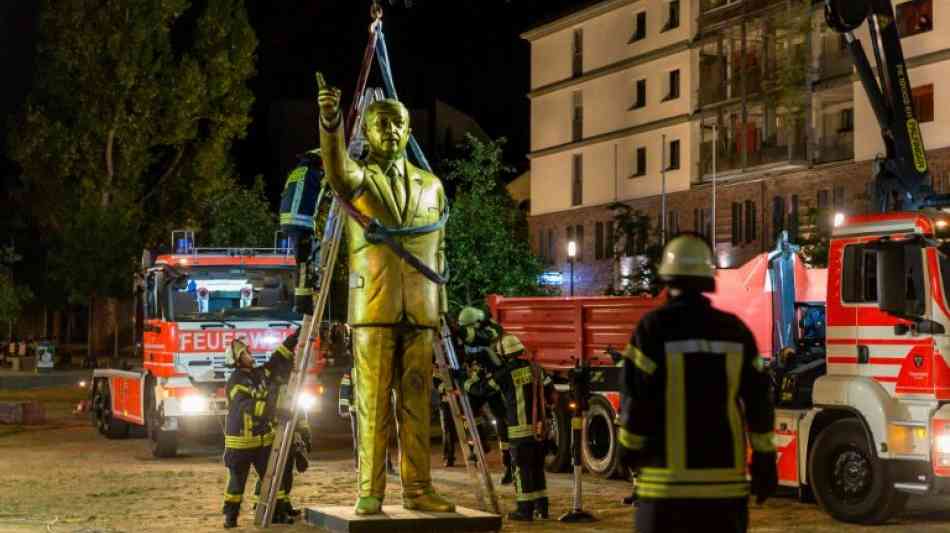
(686, 369)
(346, 407)
(450, 437)
(523, 389)
(249, 431)
(482, 361)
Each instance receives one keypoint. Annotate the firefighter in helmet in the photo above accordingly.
(683, 429)
(524, 389)
(483, 360)
(249, 430)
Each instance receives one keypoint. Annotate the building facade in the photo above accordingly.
(648, 102)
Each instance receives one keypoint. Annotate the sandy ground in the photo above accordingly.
(65, 477)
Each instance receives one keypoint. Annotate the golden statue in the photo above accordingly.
(394, 310)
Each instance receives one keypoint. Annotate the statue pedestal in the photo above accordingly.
(395, 519)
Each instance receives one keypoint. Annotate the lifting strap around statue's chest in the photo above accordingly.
(377, 233)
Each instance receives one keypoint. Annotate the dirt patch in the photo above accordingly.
(66, 478)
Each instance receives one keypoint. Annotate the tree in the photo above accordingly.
(12, 296)
(815, 238)
(240, 217)
(128, 127)
(487, 244)
(639, 247)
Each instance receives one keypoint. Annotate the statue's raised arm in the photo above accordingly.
(342, 173)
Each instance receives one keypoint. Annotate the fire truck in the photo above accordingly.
(190, 305)
(859, 353)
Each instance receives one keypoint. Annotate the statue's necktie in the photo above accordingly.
(398, 185)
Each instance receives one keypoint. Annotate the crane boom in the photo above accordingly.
(902, 178)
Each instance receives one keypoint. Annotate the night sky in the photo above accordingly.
(466, 53)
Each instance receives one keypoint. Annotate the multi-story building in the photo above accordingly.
(648, 102)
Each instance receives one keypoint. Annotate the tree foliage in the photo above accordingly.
(240, 217)
(636, 252)
(814, 241)
(128, 127)
(487, 238)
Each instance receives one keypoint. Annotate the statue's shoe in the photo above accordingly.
(429, 502)
(368, 505)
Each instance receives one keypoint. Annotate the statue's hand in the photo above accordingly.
(328, 99)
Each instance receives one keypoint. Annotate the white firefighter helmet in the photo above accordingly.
(233, 354)
(470, 316)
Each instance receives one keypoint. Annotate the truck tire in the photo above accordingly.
(164, 444)
(848, 480)
(559, 431)
(600, 449)
(109, 426)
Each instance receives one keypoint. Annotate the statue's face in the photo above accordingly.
(387, 132)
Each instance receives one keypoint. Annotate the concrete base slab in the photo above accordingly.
(395, 519)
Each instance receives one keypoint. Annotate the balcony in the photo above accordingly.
(834, 63)
(713, 13)
(770, 151)
(833, 148)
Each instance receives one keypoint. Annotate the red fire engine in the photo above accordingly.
(191, 304)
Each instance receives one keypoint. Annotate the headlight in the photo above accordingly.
(306, 401)
(194, 404)
(942, 442)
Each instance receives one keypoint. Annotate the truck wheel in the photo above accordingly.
(559, 431)
(600, 451)
(101, 410)
(848, 480)
(164, 444)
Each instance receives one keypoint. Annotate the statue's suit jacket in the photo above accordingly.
(384, 290)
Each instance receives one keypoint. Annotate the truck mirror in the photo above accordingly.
(900, 287)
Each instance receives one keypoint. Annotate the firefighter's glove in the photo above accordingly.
(291, 342)
(764, 475)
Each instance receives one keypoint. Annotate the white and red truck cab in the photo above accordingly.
(191, 304)
(862, 397)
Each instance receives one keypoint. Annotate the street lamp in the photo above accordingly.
(571, 254)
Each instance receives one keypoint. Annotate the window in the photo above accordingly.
(579, 237)
(577, 120)
(673, 86)
(823, 199)
(542, 251)
(640, 99)
(793, 220)
(838, 198)
(846, 119)
(778, 216)
(599, 241)
(639, 28)
(923, 103)
(610, 240)
(641, 169)
(552, 245)
(672, 17)
(750, 229)
(859, 275)
(577, 181)
(674, 155)
(578, 52)
(702, 222)
(915, 17)
(672, 224)
(736, 223)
